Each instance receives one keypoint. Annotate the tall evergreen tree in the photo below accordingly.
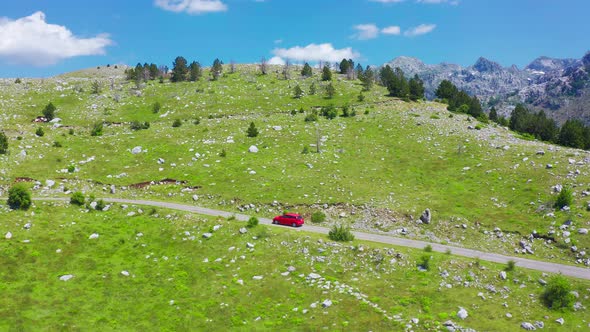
(3, 143)
(195, 71)
(297, 92)
(416, 86)
(573, 134)
(446, 90)
(493, 114)
(359, 71)
(179, 70)
(330, 91)
(475, 108)
(344, 65)
(154, 72)
(306, 71)
(326, 74)
(368, 78)
(216, 69)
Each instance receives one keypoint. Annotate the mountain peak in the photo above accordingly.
(484, 65)
(547, 64)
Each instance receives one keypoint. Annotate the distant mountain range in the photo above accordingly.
(560, 87)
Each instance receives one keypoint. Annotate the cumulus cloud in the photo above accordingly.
(422, 29)
(193, 7)
(365, 31)
(275, 60)
(316, 52)
(391, 30)
(31, 40)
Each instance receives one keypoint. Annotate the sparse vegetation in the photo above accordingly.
(557, 294)
(341, 233)
(318, 217)
(252, 222)
(78, 199)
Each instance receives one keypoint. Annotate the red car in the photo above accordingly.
(289, 219)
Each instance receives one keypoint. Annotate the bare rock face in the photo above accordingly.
(426, 216)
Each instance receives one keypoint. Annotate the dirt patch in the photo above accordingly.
(24, 179)
(142, 185)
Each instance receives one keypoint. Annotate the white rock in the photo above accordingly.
(49, 183)
(249, 245)
(240, 282)
(503, 275)
(257, 277)
(314, 276)
(583, 231)
(560, 320)
(93, 236)
(66, 277)
(207, 235)
(327, 303)
(243, 230)
(253, 149)
(528, 326)
(277, 128)
(462, 313)
(136, 150)
(8, 236)
(125, 273)
(216, 227)
(195, 198)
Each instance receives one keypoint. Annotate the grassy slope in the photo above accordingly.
(166, 264)
(401, 156)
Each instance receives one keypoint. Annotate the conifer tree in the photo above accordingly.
(179, 70)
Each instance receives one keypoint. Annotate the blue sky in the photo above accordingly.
(48, 37)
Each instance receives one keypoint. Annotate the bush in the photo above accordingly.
(361, 97)
(252, 222)
(428, 248)
(329, 112)
(305, 150)
(557, 293)
(3, 143)
(510, 266)
(57, 144)
(40, 132)
(223, 154)
(18, 81)
(71, 169)
(196, 121)
(156, 108)
(77, 199)
(252, 131)
(424, 262)
(19, 197)
(177, 123)
(312, 117)
(100, 204)
(96, 129)
(95, 87)
(71, 131)
(318, 217)
(136, 125)
(565, 198)
(340, 233)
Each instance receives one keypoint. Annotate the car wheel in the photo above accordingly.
(294, 224)
(274, 222)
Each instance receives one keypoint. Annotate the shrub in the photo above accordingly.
(19, 197)
(3, 143)
(71, 169)
(77, 199)
(136, 125)
(196, 121)
(557, 293)
(428, 248)
(95, 87)
(361, 97)
(565, 198)
(252, 131)
(293, 112)
(49, 112)
(340, 233)
(156, 108)
(57, 144)
(329, 112)
(18, 81)
(312, 117)
(345, 111)
(223, 154)
(424, 262)
(366, 112)
(40, 132)
(177, 123)
(305, 150)
(71, 131)
(96, 129)
(318, 217)
(252, 222)
(510, 266)
(100, 204)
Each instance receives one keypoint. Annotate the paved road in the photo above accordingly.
(572, 271)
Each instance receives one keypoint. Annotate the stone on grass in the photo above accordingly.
(257, 277)
(8, 236)
(528, 326)
(503, 275)
(125, 273)
(583, 231)
(314, 276)
(249, 245)
(243, 230)
(93, 236)
(539, 324)
(207, 235)
(66, 277)
(195, 198)
(560, 320)
(425, 217)
(327, 303)
(462, 313)
(253, 149)
(136, 150)
(49, 183)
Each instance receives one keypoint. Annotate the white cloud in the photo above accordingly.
(30, 40)
(365, 31)
(391, 30)
(422, 29)
(316, 52)
(275, 60)
(192, 6)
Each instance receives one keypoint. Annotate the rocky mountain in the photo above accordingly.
(560, 87)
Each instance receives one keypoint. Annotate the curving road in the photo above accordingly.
(572, 271)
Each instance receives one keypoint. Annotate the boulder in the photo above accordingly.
(560, 321)
(253, 149)
(66, 277)
(426, 216)
(8, 236)
(462, 313)
(327, 303)
(528, 326)
(207, 235)
(93, 236)
(136, 150)
(583, 231)
(503, 275)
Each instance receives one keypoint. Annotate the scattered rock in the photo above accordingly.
(560, 320)
(257, 277)
(539, 324)
(583, 231)
(27, 226)
(542, 282)
(462, 313)
(253, 149)
(8, 236)
(66, 277)
(136, 150)
(426, 217)
(314, 276)
(93, 236)
(528, 326)
(548, 166)
(327, 303)
(207, 235)
(250, 245)
(503, 275)
(541, 153)
(125, 273)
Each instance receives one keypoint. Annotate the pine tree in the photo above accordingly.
(297, 92)
(216, 69)
(344, 65)
(493, 114)
(195, 71)
(154, 72)
(179, 70)
(312, 89)
(367, 78)
(359, 71)
(330, 91)
(326, 74)
(446, 90)
(306, 71)
(252, 131)
(572, 134)
(416, 87)
(49, 112)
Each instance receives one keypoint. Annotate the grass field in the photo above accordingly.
(155, 271)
